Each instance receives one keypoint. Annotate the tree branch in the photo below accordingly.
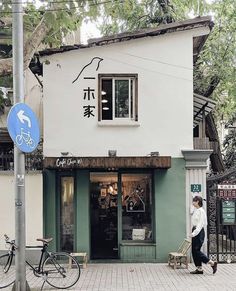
(30, 47)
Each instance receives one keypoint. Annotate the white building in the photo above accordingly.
(119, 156)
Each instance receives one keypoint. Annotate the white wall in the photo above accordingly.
(34, 207)
(165, 98)
(33, 96)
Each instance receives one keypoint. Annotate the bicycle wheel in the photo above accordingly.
(7, 270)
(62, 270)
(19, 139)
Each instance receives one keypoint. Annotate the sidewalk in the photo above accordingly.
(156, 277)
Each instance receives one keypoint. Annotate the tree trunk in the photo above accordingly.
(32, 44)
(6, 66)
(30, 47)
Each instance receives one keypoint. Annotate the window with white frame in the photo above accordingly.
(118, 97)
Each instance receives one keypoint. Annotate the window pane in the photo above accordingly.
(131, 98)
(136, 207)
(122, 98)
(106, 99)
(67, 214)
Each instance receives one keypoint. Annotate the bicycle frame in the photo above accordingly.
(25, 135)
(38, 269)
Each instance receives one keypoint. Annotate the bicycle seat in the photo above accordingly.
(45, 240)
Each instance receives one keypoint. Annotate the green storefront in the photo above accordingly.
(133, 211)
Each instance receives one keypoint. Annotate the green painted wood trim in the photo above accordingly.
(49, 207)
(137, 244)
(82, 212)
(170, 205)
(119, 215)
(138, 253)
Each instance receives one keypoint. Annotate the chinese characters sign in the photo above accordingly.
(88, 95)
(227, 191)
(89, 91)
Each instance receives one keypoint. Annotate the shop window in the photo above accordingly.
(136, 207)
(67, 214)
(118, 97)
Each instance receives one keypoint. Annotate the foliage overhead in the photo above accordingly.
(229, 144)
(62, 16)
(44, 26)
(217, 61)
(215, 70)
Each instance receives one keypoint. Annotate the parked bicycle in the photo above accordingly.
(58, 269)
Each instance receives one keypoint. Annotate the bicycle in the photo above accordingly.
(58, 269)
(25, 137)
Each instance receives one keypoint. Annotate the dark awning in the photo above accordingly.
(201, 106)
(4, 136)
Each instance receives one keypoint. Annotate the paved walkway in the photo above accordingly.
(156, 277)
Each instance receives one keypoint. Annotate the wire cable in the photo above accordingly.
(157, 61)
(59, 9)
(148, 70)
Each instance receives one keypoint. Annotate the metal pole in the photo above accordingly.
(19, 158)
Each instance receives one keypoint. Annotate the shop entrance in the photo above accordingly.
(103, 209)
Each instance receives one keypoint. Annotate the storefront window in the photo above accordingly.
(136, 207)
(67, 214)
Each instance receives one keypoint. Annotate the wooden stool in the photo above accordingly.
(83, 255)
(181, 256)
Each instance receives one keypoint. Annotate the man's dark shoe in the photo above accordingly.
(197, 272)
(214, 267)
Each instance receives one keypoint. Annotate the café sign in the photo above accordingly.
(111, 163)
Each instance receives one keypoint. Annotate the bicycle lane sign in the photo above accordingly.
(23, 127)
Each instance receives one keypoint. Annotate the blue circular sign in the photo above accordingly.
(23, 127)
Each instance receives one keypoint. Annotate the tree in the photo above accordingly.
(215, 70)
(47, 25)
(230, 144)
(217, 60)
(133, 14)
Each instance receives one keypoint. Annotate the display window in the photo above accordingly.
(120, 210)
(136, 207)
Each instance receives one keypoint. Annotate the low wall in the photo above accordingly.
(33, 207)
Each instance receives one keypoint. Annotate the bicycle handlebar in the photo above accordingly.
(6, 237)
(11, 242)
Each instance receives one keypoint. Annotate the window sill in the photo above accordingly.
(137, 243)
(119, 123)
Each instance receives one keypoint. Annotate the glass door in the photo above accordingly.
(103, 206)
(67, 221)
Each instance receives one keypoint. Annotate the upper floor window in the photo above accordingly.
(118, 97)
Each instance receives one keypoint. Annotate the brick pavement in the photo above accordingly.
(156, 277)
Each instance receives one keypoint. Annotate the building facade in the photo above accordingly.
(118, 143)
(119, 160)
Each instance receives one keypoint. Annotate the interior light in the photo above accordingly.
(104, 93)
(104, 100)
(105, 108)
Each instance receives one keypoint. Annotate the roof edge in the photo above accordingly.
(161, 29)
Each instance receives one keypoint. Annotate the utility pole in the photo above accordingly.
(19, 156)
